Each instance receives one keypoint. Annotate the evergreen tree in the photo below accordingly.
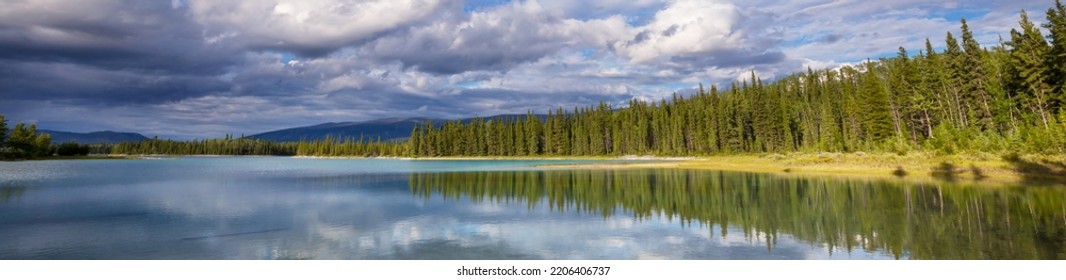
(1029, 69)
(956, 77)
(1056, 60)
(877, 118)
(975, 91)
(3, 133)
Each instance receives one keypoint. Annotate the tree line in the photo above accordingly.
(231, 145)
(23, 142)
(1007, 97)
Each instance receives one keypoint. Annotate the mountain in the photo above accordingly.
(384, 129)
(98, 137)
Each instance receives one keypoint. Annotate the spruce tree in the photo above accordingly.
(877, 121)
(3, 132)
(955, 78)
(975, 91)
(1029, 69)
(1056, 60)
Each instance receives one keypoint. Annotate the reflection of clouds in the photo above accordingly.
(335, 233)
(330, 214)
(619, 223)
(551, 236)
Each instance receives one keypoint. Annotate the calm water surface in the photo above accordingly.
(293, 208)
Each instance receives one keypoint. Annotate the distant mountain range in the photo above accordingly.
(98, 137)
(391, 129)
(384, 129)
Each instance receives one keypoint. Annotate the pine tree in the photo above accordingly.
(903, 94)
(956, 77)
(1029, 69)
(3, 132)
(415, 141)
(975, 91)
(1056, 60)
(877, 121)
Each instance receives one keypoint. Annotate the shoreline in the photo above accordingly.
(471, 158)
(986, 168)
(981, 167)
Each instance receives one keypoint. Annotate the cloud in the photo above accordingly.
(308, 27)
(495, 39)
(690, 37)
(91, 85)
(686, 27)
(135, 35)
(852, 31)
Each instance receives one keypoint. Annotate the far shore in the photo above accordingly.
(626, 158)
(597, 158)
(981, 167)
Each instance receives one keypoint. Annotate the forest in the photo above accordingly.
(1005, 98)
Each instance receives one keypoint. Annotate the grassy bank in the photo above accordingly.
(976, 167)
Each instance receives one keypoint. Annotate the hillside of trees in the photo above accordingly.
(966, 98)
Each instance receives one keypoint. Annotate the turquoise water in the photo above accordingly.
(299, 208)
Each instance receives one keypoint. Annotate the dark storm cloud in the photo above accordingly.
(138, 35)
(89, 85)
(106, 52)
(456, 47)
(496, 39)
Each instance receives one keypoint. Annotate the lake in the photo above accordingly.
(303, 208)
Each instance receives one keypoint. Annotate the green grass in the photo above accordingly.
(1007, 168)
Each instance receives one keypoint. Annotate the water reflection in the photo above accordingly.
(905, 220)
(11, 192)
(289, 208)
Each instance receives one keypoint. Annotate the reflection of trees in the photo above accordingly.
(10, 191)
(917, 220)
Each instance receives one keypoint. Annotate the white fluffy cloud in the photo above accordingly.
(685, 27)
(312, 26)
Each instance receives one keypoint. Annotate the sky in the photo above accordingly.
(188, 69)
